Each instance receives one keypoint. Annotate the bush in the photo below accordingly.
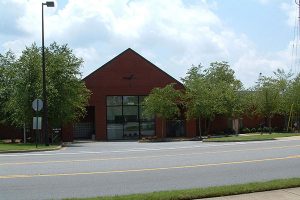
(246, 130)
(289, 130)
(218, 133)
(229, 131)
(259, 129)
(253, 130)
(267, 129)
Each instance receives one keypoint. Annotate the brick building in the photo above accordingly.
(114, 111)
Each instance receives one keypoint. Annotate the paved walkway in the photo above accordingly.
(284, 194)
(289, 138)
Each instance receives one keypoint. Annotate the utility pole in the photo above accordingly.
(45, 113)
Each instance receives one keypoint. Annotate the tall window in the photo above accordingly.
(114, 117)
(125, 119)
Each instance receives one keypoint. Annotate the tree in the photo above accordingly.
(270, 95)
(198, 98)
(25, 86)
(162, 102)
(228, 89)
(67, 94)
(212, 91)
(6, 82)
(292, 101)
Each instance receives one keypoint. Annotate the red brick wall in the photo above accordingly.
(191, 128)
(9, 132)
(220, 123)
(254, 122)
(67, 133)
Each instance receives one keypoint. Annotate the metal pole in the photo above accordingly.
(36, 126)
(24, 132)
(45, 113)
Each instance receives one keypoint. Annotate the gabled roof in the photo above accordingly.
(135, 53)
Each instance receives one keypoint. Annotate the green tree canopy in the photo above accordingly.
(6, 80)
(163, 102)
(67, 94)
(270, 95)
(212, 91)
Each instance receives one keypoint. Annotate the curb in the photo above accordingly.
(32, 150)
(169, 140)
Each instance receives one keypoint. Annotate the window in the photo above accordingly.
(114, 100)
(130, 100)
(114, 114)
(125, 120)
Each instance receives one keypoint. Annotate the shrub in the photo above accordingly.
(218, 133)
(229, 131)
(266, 129)
(246, 130)
(253, 130)
(259, 129)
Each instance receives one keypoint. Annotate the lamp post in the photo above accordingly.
(45, 111)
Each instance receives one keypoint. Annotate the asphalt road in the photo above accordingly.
(110, 168)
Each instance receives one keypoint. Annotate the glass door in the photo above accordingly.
(124, 119)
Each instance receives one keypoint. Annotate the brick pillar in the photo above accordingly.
(158, 124)
(100, 120)
(67, 133)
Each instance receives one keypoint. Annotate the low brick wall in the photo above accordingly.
(9, 132)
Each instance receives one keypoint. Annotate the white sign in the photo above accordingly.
(37, 104)
(37, 123)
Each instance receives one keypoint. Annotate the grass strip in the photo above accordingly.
(255, 137)
(199, 193)
(17, 147)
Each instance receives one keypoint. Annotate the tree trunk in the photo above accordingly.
(24, 133)
(269, 124)
(297, 122)
(209, 126)
(205, 127)
(200, 132)
(162, 128)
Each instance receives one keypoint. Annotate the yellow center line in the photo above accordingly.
(144, 157)
(148, 169)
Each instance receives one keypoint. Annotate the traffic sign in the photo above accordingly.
(37, 123)
(37, 104)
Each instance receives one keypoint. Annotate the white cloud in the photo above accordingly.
(172, 34)
(264, 2)
(89, 55)
(291, 10)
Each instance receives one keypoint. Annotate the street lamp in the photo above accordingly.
(45, 111)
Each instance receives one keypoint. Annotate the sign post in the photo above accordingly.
(37, 105)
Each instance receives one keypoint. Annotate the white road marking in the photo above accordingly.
(203, 145)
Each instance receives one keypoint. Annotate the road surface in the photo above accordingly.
(89, 169)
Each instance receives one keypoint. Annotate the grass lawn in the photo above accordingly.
(11, 147)
(251, 137)
(207, 192)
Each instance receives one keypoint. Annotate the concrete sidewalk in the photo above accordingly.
(284, 194)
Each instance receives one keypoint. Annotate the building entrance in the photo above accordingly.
(125, 119)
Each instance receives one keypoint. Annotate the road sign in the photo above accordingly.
(37, 123)
(37, 104)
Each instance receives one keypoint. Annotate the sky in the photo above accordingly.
(253, 36)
